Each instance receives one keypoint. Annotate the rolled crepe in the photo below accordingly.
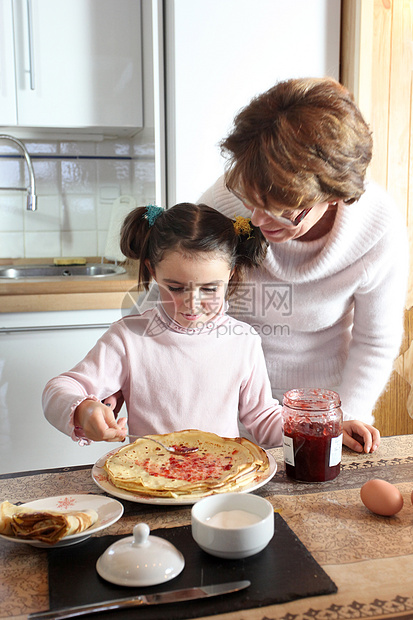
(7, 510)
(46, 526)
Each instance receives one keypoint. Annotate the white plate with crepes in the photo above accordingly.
(103, 481)
(108, 510)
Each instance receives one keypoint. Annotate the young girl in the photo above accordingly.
(184, 364)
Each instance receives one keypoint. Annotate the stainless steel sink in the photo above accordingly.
(90, 270)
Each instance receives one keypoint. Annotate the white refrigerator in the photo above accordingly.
(218, 54)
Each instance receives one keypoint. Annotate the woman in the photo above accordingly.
(328, 299)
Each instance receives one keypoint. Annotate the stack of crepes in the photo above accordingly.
(46, 526)
(219, 465)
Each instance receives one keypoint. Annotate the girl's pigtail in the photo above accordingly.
(252, 245)
(135, 235)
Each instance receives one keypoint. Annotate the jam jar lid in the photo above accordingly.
(311, 399)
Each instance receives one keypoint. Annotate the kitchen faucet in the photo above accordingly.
(31, 191)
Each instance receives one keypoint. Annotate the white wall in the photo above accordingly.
(219, 54)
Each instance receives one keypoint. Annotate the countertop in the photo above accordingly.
(370, 558)
(67, 293)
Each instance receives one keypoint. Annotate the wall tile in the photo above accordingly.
(114, 148)
(47, 175)
(102, 236)
(78, 176)
(79, 243)
(76, 185)
(80, 212)
(143, 176)
(46, 217)
(42, 147)
(11, 245)
(104, 213)
(42, 244)
(115, 172)
(107, 193)
(86, 149)
(12, 205)
(11, 173)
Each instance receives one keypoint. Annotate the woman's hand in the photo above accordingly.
(98, 421)
(360, 437)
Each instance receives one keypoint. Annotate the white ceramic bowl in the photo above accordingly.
(232, 525)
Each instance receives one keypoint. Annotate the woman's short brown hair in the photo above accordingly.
(302, 142)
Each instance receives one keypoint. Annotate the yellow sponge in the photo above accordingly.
(70, 261)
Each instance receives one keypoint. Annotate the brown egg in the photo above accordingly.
(381, 497)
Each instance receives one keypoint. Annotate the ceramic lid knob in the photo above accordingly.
(140, 535)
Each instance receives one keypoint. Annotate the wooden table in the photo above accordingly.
(370, 558)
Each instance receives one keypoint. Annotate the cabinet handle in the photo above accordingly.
(31, 43)
(46, 328)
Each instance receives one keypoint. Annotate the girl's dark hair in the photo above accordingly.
(190, 228)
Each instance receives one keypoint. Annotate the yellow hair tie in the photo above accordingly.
(242, 226)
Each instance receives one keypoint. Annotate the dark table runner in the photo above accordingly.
(284, 571)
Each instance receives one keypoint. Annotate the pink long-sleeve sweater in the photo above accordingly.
(174, 378)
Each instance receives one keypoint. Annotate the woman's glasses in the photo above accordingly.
(289, 218)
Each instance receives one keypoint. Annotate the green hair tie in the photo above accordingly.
(152, 213)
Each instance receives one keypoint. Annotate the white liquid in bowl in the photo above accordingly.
(231, 519)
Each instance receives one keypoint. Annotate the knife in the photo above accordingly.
(173, 596)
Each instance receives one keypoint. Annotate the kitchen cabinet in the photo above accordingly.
(71, 64)
(34, 347)
(8, 112)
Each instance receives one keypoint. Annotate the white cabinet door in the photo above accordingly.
(49, 343)
(78, 63)
(8, 108)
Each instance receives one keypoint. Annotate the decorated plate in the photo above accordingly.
(109, 511)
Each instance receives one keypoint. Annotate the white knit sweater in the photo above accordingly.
(330, 312)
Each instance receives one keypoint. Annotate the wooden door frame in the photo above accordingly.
(376, 66)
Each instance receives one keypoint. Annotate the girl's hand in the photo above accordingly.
(360, 437)
(98, 421)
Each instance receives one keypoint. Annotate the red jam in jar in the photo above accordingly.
(312, 434)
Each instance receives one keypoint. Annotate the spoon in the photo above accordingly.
(182, 450)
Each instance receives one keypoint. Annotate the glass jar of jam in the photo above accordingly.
(312, 434)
